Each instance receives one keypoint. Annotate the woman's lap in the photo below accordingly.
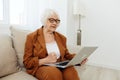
(53, 73)
(48, 73)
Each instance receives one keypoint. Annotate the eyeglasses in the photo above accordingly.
(52, 20)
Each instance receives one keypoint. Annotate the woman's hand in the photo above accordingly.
(51, 58)
(84, 61)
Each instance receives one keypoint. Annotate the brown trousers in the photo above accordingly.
(53, 73)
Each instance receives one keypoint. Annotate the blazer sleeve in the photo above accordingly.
(30, 61)
(68, 55)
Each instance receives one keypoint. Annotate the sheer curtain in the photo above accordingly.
(22, 12)
(1, 9)
(26, 12)
(4, 12)
(17, 12)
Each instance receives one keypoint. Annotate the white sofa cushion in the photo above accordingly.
(19, 76)
(19, 34)
(8, 59)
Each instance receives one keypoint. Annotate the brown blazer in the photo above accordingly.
(35, 49)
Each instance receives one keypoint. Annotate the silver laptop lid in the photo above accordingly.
(83, 53)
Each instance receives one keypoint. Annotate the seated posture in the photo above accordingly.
(45, 45)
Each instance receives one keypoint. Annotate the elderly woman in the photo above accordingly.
(45, 45)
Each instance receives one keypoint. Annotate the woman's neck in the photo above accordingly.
(49, 37)
(46, 31)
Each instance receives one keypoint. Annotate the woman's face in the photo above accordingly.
(52, 22)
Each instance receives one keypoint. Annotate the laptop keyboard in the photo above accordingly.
(62, 64)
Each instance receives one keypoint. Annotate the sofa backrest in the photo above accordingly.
(18, 34)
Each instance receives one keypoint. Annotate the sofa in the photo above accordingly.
(12, 40)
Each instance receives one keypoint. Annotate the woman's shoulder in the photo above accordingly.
(34, 33)
(60, 35)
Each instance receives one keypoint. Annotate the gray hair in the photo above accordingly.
(47, 13)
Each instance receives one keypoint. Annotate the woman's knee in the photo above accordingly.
(70, 74)
(49, 73)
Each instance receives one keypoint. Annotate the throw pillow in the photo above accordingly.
(8, 59)
(19, 34)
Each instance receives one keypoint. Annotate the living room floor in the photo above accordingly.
(89, 72)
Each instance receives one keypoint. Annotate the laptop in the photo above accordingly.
(82, 54)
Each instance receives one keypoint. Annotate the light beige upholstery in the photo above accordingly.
(11, 53)
(21, 75)
(8, 59)
(18, 34)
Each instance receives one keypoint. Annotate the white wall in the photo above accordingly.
(101, 27)
(71, 26)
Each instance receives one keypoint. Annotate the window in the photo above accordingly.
(1, 9)
(17, 12)
(4, 11)
(12, 12)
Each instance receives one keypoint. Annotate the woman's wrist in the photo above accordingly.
(42, 61)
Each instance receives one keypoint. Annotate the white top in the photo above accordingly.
(53, 47)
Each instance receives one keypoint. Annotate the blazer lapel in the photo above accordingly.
(60, 46)
(41, 39)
